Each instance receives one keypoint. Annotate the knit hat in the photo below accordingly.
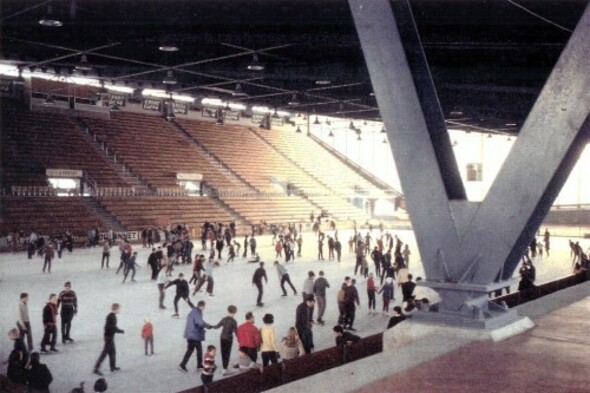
(100, 385)
(268, 318)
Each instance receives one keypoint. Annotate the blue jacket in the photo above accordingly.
(195, 326)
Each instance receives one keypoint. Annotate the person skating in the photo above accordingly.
(161, 281)
(50, 324)
(351, 300)
(130, 264)
(229, 327)
(68, 302)
(259, 274)
(153, 264)
(182, 292)
(284, 277)
(194, 333)
(110, 329)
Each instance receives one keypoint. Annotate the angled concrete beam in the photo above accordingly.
(464, 245)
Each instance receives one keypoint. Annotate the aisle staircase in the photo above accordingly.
(107, 218)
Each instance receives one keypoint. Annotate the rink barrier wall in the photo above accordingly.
(291, 370)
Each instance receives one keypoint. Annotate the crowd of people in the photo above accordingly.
(388, 276)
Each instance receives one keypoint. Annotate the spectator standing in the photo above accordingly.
(303, 323)
(147, 333)
(249, 337)
(268, 349)
(50, 324)
(38, 376)
(371, 290)
(106, 254)
(68, 302)
(23, 322)
(291, 345)
(48, 254)
(209, 367)
(319, 289)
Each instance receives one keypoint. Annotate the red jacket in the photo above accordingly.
(248, 335)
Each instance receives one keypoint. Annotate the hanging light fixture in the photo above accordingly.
(255, 64)
(298, 130)
(383, 130)
(489, 136)
(316, 121)
(294, 100)
(49, 20)
(238, 92)
(275, 115)
(384, 141)
(331, 134)
(328, 122)
(170, 79)
(358, 138)
(351, 126)
(83, 65)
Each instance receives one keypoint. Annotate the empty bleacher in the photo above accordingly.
(137, 213)
(48, 215)
(33, 142)
(153, 149)
(260, 165)
(318, 162)
(276, 209)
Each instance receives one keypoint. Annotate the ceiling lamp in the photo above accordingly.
(255, 64)
(383, 130)
(238, 92)
(316, 121)
(298, 130)
(83, 65)
(384, 141)
(168, 45)
(358, 138)
(328, 122)
(169, 79)
(294, 100)
(276, 115)
(331, 133)
(323, 82)
(489, 136)
(351, 126)
(49, 100)
(49, 20)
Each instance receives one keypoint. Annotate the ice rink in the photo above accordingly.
(97, 289)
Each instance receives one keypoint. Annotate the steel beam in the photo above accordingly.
(465, 246)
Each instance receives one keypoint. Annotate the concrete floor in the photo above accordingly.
(552, 357)
(97, 289)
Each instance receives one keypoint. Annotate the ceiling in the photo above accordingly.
(489, 59)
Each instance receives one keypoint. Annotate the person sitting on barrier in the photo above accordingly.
(344, 338)
(398, 317)
(291, 345)
(245, 363)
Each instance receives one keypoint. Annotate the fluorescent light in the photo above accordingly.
(261, 109)
(120, 89)
(163, 94)
(212, 102)
(237, 107)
